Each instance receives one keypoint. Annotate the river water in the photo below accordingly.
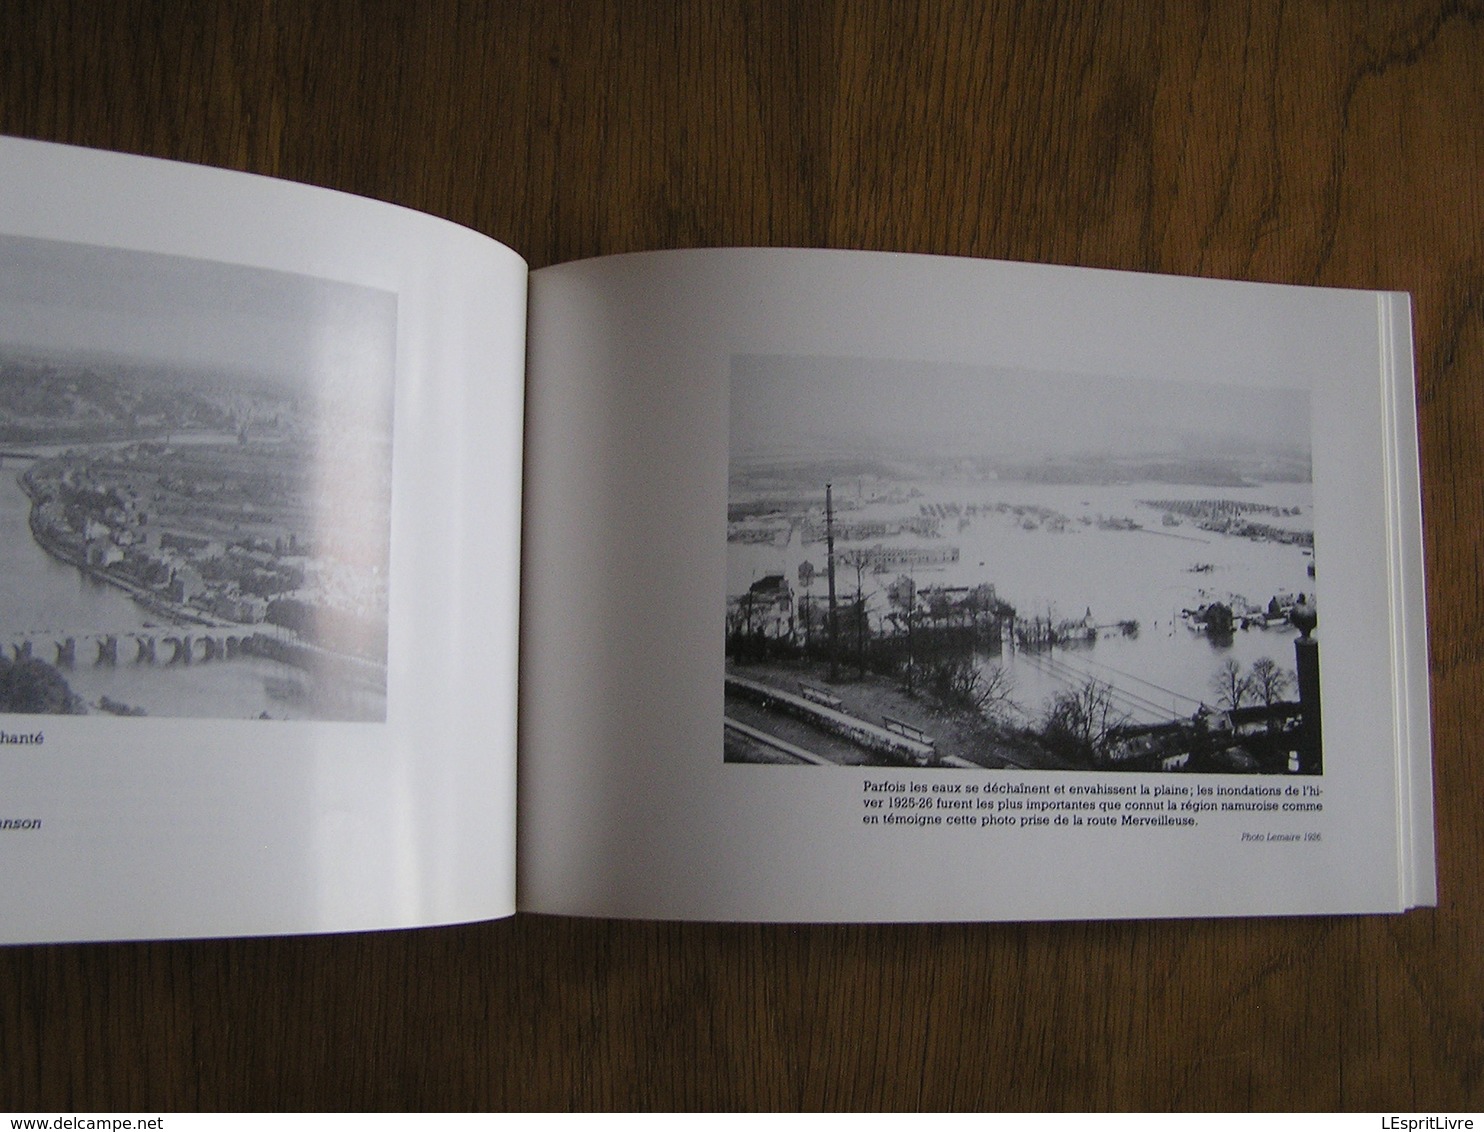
(39, 594)
(1147, 575)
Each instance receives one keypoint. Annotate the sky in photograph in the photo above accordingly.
(290, 330)
(786, 406)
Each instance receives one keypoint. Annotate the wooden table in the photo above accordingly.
(1295, 143)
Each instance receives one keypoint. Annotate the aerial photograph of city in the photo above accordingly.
(933, 565)
(195, 488)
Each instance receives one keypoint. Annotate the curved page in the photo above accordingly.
(260, 476)
(880, 587)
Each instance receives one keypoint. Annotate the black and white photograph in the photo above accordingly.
(195, 488)
(934, 565)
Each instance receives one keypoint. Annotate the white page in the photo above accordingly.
(627, 805)
(1409, 610)
(373, 359)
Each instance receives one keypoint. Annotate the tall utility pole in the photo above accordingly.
(829, 551)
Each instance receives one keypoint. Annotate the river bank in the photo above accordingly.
(44, 592)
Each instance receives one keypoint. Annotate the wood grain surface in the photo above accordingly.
(1338, 144)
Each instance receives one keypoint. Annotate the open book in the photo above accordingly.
(355, 576)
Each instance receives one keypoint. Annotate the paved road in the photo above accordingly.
(797, 732)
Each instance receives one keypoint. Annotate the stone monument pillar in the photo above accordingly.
(1306, 659)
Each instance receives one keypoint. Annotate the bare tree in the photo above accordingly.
(859, 560)
(1230, 686)
(997, 692)
(806, 580)
(1268, 682)
(962, 683)
(903, 596)
(1081, 719)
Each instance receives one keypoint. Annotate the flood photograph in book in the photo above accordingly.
(934, 565)
(195, 488)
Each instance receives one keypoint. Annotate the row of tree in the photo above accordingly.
(1265, 683)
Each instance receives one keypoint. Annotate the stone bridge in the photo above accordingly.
(141, 646)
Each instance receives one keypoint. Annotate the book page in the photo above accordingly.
(260, 481)
(879, 587)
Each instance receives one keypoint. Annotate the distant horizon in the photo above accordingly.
(787, 409)
(294, 332)
(81, 356)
